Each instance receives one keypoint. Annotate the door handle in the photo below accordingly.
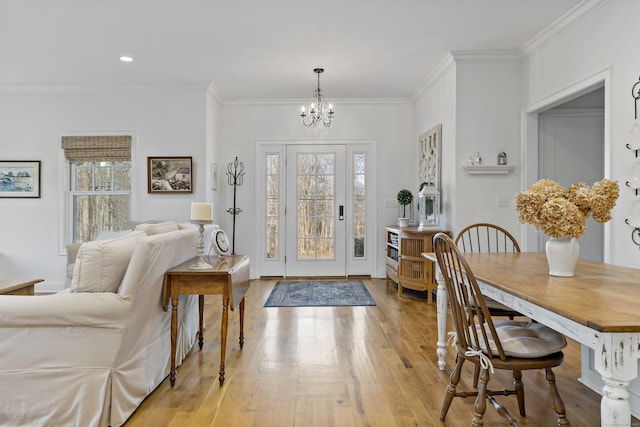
(341, 213)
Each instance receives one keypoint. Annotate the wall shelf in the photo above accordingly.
(488, 170)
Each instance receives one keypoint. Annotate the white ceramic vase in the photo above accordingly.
(562, 255)
(403, 222)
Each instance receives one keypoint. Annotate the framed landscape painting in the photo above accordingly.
(20, 179)
(169, 175)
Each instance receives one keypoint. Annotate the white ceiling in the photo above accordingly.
(258, 49)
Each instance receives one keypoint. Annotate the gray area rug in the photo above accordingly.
(317, 293)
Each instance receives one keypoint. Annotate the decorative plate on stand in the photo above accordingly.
(633, 214)
(634, 175)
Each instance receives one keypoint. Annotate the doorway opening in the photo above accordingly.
(566, 138)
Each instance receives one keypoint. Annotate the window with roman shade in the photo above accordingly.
(100, 184)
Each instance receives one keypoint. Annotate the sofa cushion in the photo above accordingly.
(157, 228)
(100, 264)
(107, 234)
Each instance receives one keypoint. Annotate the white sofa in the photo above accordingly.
(89, 358)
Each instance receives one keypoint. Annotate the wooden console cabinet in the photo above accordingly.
(405, 264)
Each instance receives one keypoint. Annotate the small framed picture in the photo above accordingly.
(169, 175)
(20, 179)
(214, 176)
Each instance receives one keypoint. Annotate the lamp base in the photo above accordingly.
(200, 264)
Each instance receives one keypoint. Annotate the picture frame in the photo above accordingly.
(214, 176)
(429, 156)
(20, 179)
(169, 175)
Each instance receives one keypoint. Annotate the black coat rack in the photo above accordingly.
(235, 177)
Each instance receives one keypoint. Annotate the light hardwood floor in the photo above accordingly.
(340, 366)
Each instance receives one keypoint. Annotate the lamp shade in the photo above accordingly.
(201, 212)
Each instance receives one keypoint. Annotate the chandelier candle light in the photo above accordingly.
(320, 114)
(201, 214)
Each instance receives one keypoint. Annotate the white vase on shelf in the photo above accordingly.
(562, 255)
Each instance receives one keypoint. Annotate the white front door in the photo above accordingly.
(298, 194)
(315, 210)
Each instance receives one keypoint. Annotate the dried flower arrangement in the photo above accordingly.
(560, 212)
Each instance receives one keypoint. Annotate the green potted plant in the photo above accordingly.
(405, 197)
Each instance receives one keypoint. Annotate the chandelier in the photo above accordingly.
(319, 112)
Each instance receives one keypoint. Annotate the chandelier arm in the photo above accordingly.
(319, 113)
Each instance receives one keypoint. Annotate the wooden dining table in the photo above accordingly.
(599, 307)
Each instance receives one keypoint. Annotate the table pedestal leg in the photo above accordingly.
(174, 338)
(201, 320)
(614, 406)
(616, 360)
(242, 323)
(223, 336)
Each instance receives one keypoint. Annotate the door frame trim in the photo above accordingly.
(372, 198)
(529, 147)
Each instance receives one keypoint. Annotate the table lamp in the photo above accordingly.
(201, 214)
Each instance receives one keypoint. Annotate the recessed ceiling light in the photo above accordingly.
(126, 59)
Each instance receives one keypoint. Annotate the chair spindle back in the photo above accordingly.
(473, 323)
(485, 237)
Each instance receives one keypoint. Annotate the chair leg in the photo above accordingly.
(451, 388)
(480, 406)
(558, 404)
(476, 374)
(519, 387)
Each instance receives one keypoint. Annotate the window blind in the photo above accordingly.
(97, 148)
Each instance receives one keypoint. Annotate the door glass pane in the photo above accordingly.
(359, 204)
(315, 206)
(273, 202)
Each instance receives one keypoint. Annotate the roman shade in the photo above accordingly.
(97, 148)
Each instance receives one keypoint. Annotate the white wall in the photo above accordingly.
(488, 121)
(606, 40)
(388, 123)
(167, 121)
(476, 97)
(435, 104)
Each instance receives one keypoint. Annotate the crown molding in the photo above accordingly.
(441, 69)
(566, 21)
(466, 56)
(92, 87)
(485, 55)
(334, 101)
(560, 25)
(213, 90)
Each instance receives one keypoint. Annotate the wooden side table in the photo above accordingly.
(18, 286)
(229, 277)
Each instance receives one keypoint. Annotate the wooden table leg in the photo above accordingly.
(201, 329)
(242, 323)
(223, 336)
(174, 337)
